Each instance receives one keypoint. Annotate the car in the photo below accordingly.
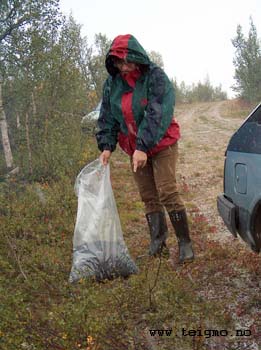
(89, 121)
(240, 204)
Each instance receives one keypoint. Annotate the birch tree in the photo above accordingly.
(16, 17)
(4, 133)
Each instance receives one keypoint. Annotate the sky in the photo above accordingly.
(192, 36)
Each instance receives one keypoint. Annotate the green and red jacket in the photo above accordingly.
(137, 109)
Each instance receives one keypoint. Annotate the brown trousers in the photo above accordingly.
(157, 182)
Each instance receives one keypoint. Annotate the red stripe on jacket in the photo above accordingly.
(128, 142)
(119, 46)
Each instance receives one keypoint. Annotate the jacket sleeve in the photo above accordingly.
(108, 127)
(159, 110)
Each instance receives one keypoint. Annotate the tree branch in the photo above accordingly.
(16, 25)
(13, 10)
(16, 256)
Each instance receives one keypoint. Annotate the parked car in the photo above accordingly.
(89, 121)
(240, 204)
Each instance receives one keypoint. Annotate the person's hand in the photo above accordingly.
(105, 156)
(139, 160)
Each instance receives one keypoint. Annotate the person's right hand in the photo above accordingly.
(105, 156)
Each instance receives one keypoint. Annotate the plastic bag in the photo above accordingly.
(98, 246)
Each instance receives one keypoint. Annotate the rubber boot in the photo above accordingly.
(180, 223)
(158, 232)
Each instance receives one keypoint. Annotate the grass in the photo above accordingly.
(237, 109)
(41, 310)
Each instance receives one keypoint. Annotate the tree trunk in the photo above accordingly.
(18, 123)
(4, 132)
(28, 143)
(33, 105)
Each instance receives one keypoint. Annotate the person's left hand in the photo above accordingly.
(139, 160)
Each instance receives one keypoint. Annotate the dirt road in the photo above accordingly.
(205, 135)
(206, 129)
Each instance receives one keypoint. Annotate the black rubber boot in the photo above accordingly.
(180, 223)
(158, 232)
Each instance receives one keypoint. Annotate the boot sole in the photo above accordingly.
(189, 260)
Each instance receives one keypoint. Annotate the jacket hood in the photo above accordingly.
(125, 47)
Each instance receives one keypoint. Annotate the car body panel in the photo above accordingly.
(239, 204)
(89, 121)
(227, 211)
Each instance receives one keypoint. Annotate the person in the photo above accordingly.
(137, 112)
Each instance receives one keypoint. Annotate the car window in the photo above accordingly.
(248, 137)
(255, 117)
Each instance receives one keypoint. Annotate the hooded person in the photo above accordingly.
(137, 112)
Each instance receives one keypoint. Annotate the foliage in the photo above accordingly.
(18, 15)
(156, 57)
(200, 92)
(97, 63)
(247, 64)
(48, 86)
